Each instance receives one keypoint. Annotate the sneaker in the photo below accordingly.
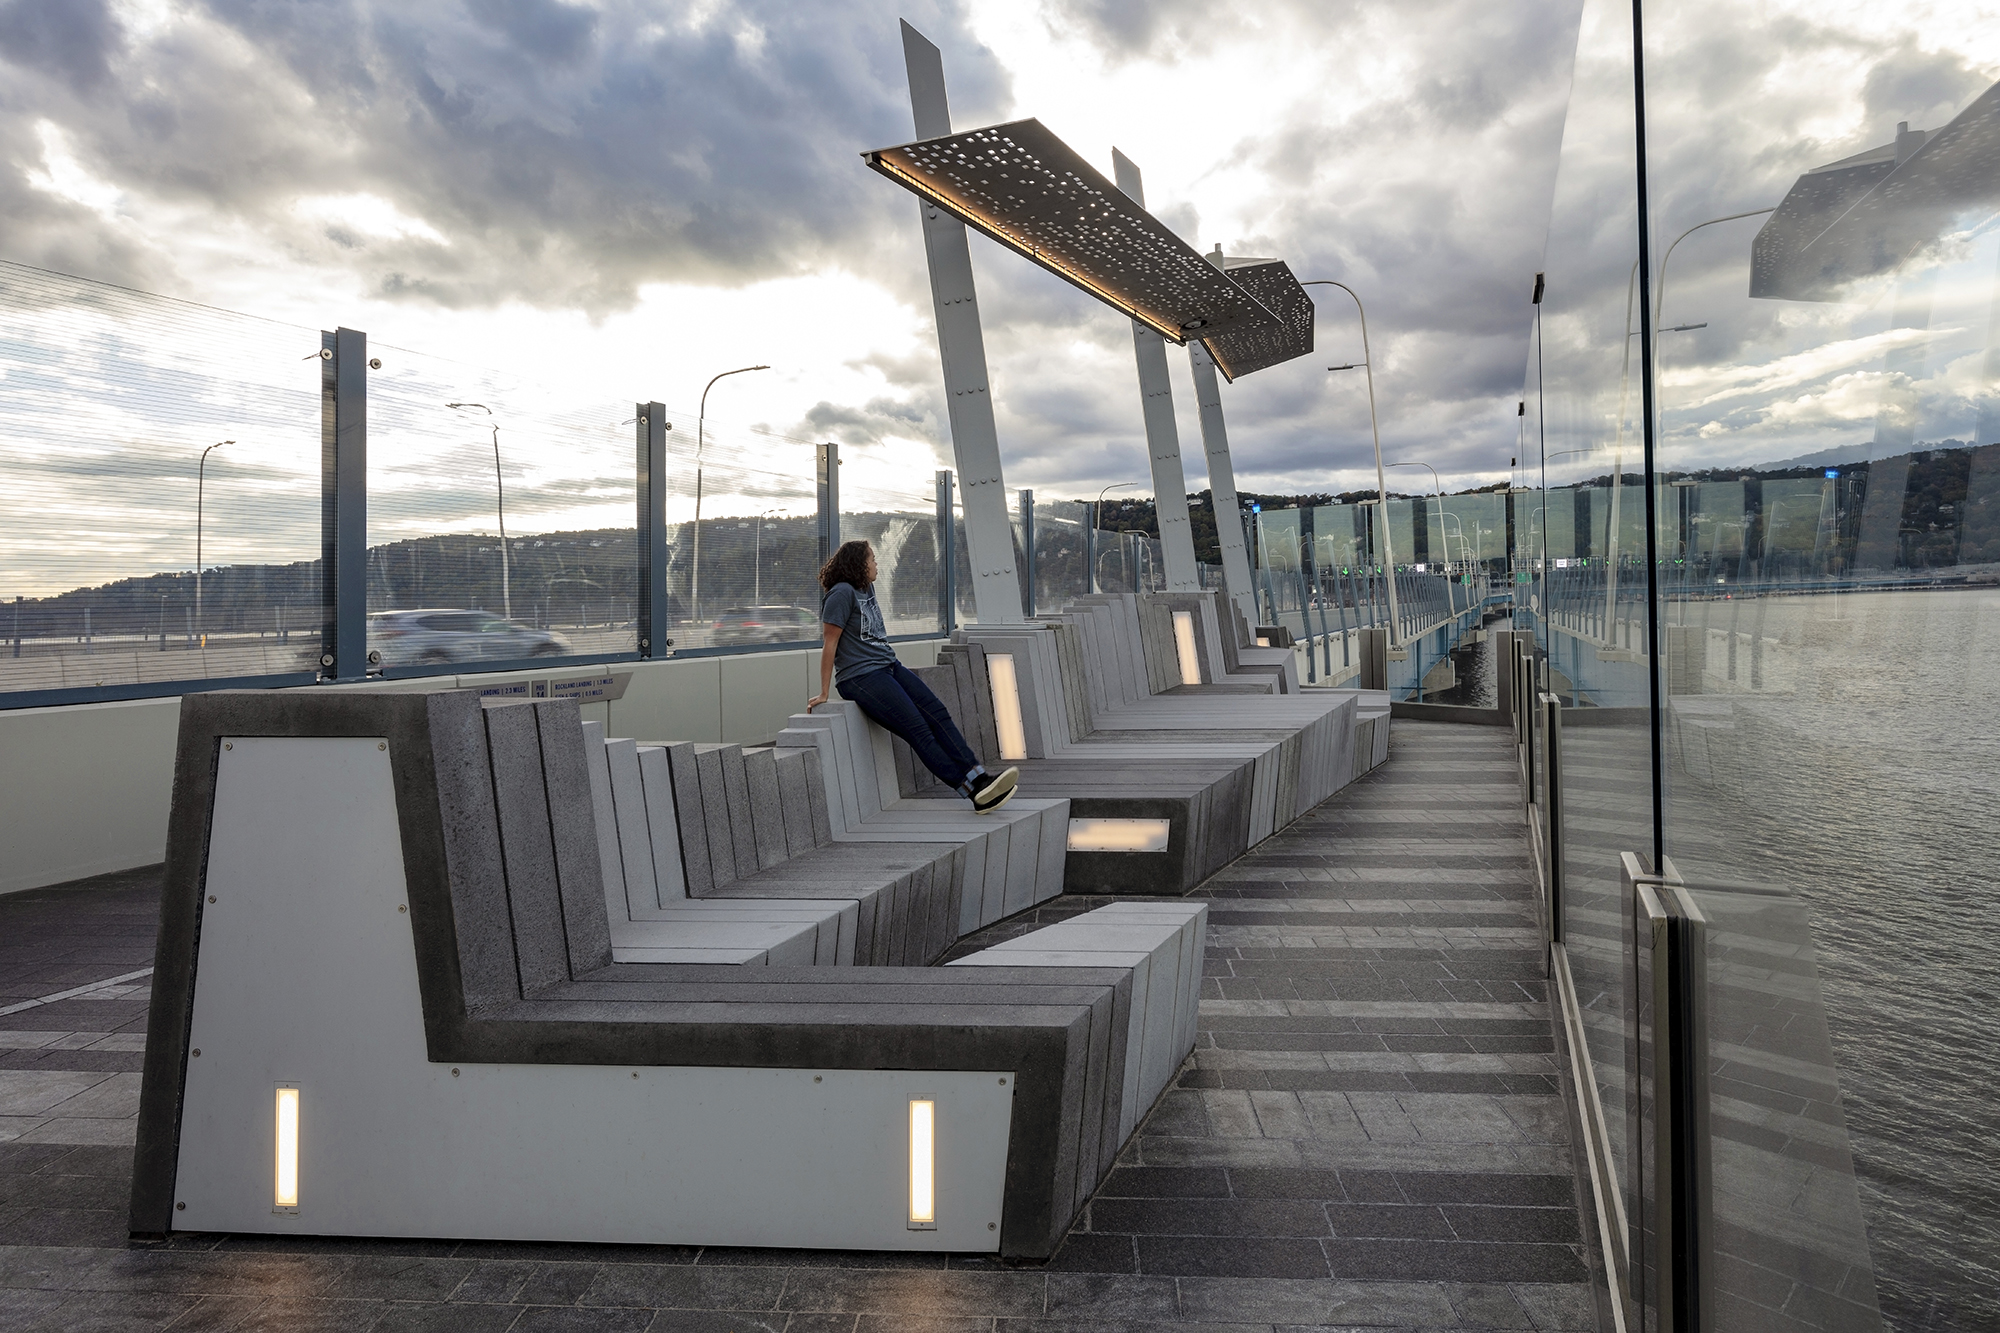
(990, 791)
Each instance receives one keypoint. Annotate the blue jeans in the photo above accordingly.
(897, 699)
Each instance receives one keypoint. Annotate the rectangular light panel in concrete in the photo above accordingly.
(1118, 835)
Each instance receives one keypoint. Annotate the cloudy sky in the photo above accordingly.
(619, 199)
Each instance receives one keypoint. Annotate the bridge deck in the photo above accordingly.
(1372, 1131)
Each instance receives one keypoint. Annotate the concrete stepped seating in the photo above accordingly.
(1162, 943)
(391, 911)
(1014, 856)
(718, 854)
(1107, 723)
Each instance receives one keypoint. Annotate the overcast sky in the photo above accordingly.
(620, 199)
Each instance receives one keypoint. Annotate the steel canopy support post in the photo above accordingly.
(344, 502)
(655, 620)
(975, 441)
(1163, 439)
(1221, 481)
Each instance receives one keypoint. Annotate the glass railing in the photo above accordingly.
(1766, 615)
(161, 517)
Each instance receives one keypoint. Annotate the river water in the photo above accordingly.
(1864, 777)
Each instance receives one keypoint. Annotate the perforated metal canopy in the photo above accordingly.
(1270, 281)
(1028, 190)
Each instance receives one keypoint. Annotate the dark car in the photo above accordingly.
(408, 638)
(764, 624)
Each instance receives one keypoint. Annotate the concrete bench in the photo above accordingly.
(1162, 943)
(1014, 855)
(1123, 712)
(386, 1003)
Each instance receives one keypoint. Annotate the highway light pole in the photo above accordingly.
(1381, 485)
(700, 443)
(500, 509)
(200, 484)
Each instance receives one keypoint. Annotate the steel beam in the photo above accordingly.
(1222, 484)
(1163, 439)
(975, 441)
(344, 502)
(655, 621)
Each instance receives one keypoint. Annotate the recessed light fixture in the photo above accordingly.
(285, 1184)
(923, 1165)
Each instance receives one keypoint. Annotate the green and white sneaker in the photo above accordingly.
(990, 791)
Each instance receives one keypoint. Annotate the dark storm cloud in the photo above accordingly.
(565, 155)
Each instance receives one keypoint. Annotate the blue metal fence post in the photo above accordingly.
(826, 462)
(655, 617)
(344, 503)
(947, 538)
(1028, 547)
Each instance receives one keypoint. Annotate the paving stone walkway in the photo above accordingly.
(1372, 1132)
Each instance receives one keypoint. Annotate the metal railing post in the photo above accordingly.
(344, 503)
(827, 469)
(1671, 1249)
(1028, 547)
(1552, 817)
(655, 618)
(947, 556)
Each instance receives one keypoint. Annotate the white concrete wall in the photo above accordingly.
(85, 788)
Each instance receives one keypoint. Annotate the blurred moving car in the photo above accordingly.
(430, 636)
(764, 624)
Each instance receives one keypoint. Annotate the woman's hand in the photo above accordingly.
(815, 702)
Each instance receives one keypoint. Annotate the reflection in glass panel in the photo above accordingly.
(1583, 437)
(1826, 488)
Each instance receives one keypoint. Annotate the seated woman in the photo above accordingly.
(858, 658)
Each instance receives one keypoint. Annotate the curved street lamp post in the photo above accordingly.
(1090, 534)
(1375, 427)
(500, 509)
(701, 443)
(200, 485)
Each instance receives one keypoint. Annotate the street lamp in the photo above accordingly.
(1374, 425)
(200, 483)
(1090, 534)
(1437, 488)
(500, 506)
(700, 442)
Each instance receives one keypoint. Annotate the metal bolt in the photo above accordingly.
(816, 1078)
(454, 1073)
(180, 1207)
(374, 363)
(992, 1226)
(635, 1073)
(374, 657)
(642, 421)
(196, 1052)
(645, 643)
(326, 354)
(381, 745)
(211, 897)
(326, 659)
(1003, 1082)
(402, 907)
(228, 745)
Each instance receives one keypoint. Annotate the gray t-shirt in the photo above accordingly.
(864, 640)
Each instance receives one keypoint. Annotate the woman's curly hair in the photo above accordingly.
(848, 564)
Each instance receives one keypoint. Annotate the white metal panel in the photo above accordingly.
(307, 974)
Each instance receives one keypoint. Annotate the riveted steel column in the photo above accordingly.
(828, 466)
(655, 620)
(1163, 440)
(344, 503)
(975, 441)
